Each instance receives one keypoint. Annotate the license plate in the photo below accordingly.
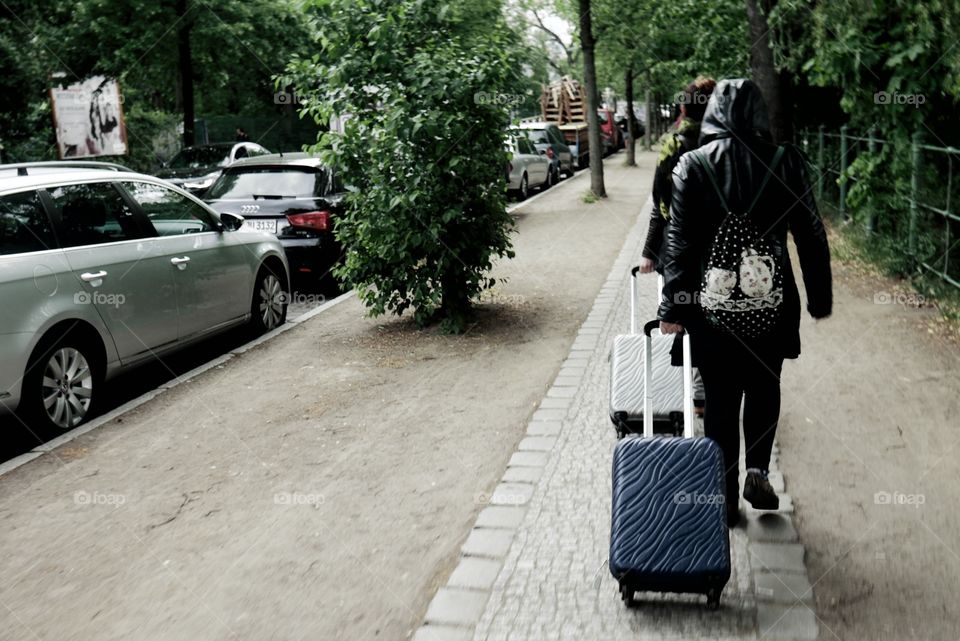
(269, 226)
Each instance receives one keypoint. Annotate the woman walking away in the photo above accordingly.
(729, 279)
(693, 104)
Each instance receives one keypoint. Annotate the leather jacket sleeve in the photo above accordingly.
(683, 244)
(654, 243)
(810, 238)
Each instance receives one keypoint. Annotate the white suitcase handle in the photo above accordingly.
(649, 327)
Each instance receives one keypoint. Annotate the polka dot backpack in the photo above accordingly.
(742, 288)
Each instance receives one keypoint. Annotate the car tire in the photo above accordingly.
(268, 309)
(524, 192)
(60, 384)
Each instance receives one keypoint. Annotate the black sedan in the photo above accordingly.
(292, 196)
(196, 168)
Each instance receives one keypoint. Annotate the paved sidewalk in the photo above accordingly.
(534, 566)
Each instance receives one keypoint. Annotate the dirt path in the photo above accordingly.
(871, 452)
(316, 487)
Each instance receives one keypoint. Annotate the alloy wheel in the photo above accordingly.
(67, 387)
(272, 301)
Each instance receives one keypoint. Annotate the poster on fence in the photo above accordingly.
(88, 118)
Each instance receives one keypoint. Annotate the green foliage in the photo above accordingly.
(422, 147)
(670, 43)
(238, 46)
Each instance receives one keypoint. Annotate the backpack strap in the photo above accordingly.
(716, 185)
(773, 167)
(712, 176)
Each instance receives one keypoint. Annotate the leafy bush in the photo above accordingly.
(426, 85)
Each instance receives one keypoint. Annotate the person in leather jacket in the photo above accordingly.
(736, 144)
(693, 104)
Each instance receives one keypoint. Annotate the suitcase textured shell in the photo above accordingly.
(668, 526)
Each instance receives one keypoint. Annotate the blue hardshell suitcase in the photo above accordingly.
(668, 525)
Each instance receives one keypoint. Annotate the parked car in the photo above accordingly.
(624, 127)
(609, 132)
(102, 270)
(55, 166)
(292, 196)
(527, 168)
(549, 139)
(196, 168)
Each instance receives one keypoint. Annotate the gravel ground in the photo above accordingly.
(871, 454)
(318, 486)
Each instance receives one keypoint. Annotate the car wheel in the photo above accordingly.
(524, 191)
(59, 384)
(270, 298)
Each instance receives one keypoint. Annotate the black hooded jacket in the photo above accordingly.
(735, 141)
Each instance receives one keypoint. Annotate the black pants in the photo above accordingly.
(730, 376)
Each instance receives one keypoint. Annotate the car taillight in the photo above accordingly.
(550, 153)
(319, 220)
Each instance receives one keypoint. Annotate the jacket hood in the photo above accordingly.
(736, 109)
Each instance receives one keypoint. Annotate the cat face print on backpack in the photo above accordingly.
(719, 283)
(756, 273)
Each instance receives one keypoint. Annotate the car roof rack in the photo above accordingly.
(23, 168)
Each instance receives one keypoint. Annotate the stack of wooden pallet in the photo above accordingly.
(562, 102)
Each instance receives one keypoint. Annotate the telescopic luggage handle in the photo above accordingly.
(633, 299)
(648, 377)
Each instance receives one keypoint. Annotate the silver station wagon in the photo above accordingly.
(101, 270)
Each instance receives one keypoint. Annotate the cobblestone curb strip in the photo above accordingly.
(532, 566)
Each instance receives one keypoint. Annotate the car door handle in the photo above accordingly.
(89, 277)
(181, 263)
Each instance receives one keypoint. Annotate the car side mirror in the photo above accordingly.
(231, 222)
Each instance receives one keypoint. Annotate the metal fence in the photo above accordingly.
(931, 199)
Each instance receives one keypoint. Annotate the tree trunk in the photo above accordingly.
(587, 43)
(648, 115)
(631, 124)
(185, 63)
(763, 70)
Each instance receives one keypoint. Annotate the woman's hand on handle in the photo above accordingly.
(670, 328)
(646, 265)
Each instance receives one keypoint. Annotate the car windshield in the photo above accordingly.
(537, 135)
(255, 183)
(194, 157)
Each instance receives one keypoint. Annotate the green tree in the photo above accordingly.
(236, 48)
(425, 86)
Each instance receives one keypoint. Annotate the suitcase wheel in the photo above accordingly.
(713, 599)
(626, 593)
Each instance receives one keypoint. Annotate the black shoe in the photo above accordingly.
(759, 493)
